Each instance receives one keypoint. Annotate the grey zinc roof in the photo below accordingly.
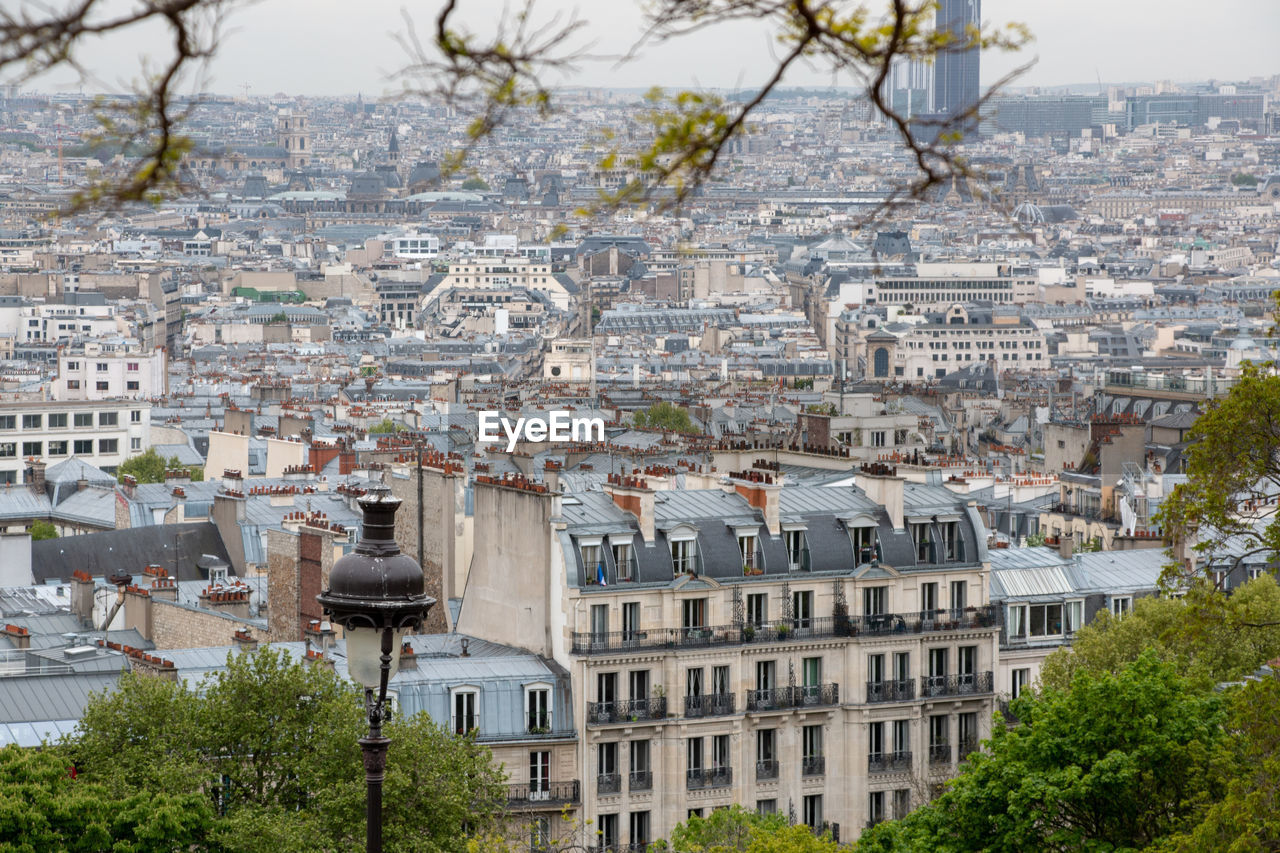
(37, 698)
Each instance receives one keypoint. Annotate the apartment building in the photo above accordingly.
(825, 652)
(103, 433)
(97, 373)
(502, 273)
(940, 285)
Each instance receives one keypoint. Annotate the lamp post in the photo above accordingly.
(376, 594)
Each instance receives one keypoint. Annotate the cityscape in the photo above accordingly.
(807, 499)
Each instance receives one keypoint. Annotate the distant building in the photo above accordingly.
(955, 74)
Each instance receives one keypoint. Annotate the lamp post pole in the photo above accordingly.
(377, 595)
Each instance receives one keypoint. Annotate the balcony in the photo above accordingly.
(640, 780)
(627, 570)
(1085, 511)
(971, 684)
(609, 783)
(629, 711)
(711, 705)
(781, 631)
(541, 794)
(826, 828)
(813, 765)
(940, 753)
(786, 698)
(889, 762)
(767, 770)
(902, 690)
(710, 777)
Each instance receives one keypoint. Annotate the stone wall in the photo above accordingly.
(441, 523)
(179, 626)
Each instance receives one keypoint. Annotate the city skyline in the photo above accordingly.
(1140, 42)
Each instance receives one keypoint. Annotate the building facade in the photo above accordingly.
(103, 433)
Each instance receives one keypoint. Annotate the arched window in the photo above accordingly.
(882, 362)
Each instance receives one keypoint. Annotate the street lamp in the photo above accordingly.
(376, 594)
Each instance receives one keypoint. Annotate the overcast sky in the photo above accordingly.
(316, 47)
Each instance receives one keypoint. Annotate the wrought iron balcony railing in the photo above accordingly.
(970, 684)
(901, 690)
(709, 705)
(889, 762)
(709, 777)
(539, 794)
(627, 711)
(784, 698)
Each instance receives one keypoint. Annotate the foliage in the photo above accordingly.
(149, 467)
(474, 183)
(1233, 469)
(43, 806)
(387, 425)
(1035, 540)
(664, 416)
(41, 530)
(272, 743)
(737, 830)
(1117, 762)
(1244, 179)
(822, 409)
(1209, 637)
(279, 317)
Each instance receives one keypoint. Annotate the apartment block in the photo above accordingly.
(103, 433)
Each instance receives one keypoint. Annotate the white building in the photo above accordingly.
(104, 433)
(504, 274)
(98, 374)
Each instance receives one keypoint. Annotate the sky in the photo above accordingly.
(341, 47)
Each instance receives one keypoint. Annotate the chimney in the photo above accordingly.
(230, 600)
(1066, 544)
(19, 636)
(320, 634)
(634, 495)
(763, 491)
(246, 641)
(81, 484)
(881, 483)
(129, 485)
(35, 475)
(82, 585)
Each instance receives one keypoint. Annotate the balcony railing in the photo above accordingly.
(544, 794)
(955, 685)
(537, 733)
(709, 777)
(767, 769)
(608, 783)
(965, 746)
(889, 762)
(783, 698)
(940, 753)
(627, 570)
(1092, 513)
(814, 765)
(826, 827)
(902, 690)
(711, 705)
(629, 711)
(605, 642)
(640, 780)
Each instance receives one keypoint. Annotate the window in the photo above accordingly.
(84, 419)
(693, 681)
(757, 608)
(720, 752)
(622, 559)
(811, 669)
(1018, 681)
(720, 680)
(1016, 620)
(694, 613)
(32, 421)
(135, 417)
(8, 422)
(875, 740)
(606, 687)
(875, 668)
(540, 835)
(131, 386)
(901, 803)
(765, 670)
(607, 767)
(797, 551)
(83, 447)
(875, 601)
(599, 622)
(802, 603)
(967, 726)
(73, 384)
(58, 420)
(641, 773)
(1074, 613)
(102, 367)
(937, 662)
(57, 448)
(592, 564)
(813, 810)
(1046, 620)
(638, 684)
(33, 448)
(693, 748)
(630, 620)
(902, 666)
(865, 547)
(8, 449)
(747, 549)
(928, 600)
(766, 807)
(540, 775)
(939, 743)
(73, 365)
(537, 701)
(464, 711)
(132, 366)
(608, 829)
(902, 738)
(639, 828)
(923, 544)
(875, 808)
(1120, 605)
(766, 753)
(959, 595)
(811, 742)
(877, 438)
(135, 443)
(108, 445)
(951, 541)
(102, 386)
(684, 556)
(967, 664)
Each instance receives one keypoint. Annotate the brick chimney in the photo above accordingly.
(129, 486)
(882, 484)
(82, 585)
(634, 495)
(19, 636)
(246, 641)
(231, 600)
(763, 491)
(1066, 544)
(35, 475)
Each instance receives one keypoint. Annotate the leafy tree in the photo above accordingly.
(664, 416)
(386, 425)
(737, 830)
(41, 530)
(279, 317)
(1209, 637)
(474, 183)
(45, 806)
(1233, 468)
(272, 743)
(149, 467)
(501, 74)
(1116, 762)
(1244, 179)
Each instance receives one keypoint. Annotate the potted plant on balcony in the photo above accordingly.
(660, 709)
(748, 632)
(783, 629)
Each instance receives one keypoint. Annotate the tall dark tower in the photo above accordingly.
(955, 72)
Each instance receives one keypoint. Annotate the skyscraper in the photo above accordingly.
(955, 74)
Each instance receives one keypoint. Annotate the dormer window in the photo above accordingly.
(865, 545)
(684, 556)
(923, 543)
(748, 551)
(797, 551)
